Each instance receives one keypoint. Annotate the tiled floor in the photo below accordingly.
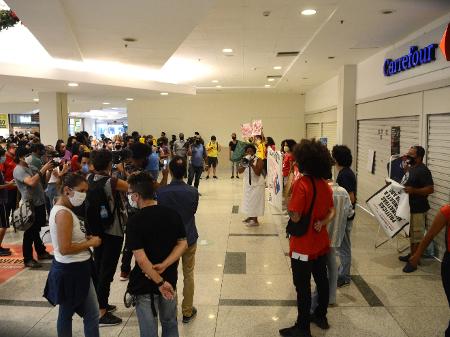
(257, 298)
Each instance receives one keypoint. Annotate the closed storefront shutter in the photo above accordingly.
(438, 161)
(375, 134)
(313, 130)
(329, 132)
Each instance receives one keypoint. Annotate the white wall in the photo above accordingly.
(322, 97)
(89, 125)
(219, 114)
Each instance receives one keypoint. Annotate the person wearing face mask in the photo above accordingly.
(157, 237)
(253, 198)
(419, 185)
(232, 147)
(69, 283)
(4, 221)
(29, 184)
(106, 217)
(83, 161)
(212, 150)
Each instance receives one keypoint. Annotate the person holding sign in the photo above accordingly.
(419, 186)
(441, 220)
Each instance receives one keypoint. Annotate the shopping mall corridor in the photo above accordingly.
(244, 286)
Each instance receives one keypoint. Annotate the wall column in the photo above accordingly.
(53, 117)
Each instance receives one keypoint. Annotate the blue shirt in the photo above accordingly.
(183, 199)
(153, 162)
(198, 153)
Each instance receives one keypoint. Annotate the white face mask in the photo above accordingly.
(28, 160)
(132, 202)
(77, 199)
(286, 149)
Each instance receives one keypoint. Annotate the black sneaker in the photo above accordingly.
(5, 253)
(33, 264)
(404, 258)
(45, 256)
(237, 177)
(111, 308)
(109, 319)
(409, 268)
(321, 322)
(187, 319)
(215, 177)
(294, 331)
(341, 283)
(207, 177)
(232, 177)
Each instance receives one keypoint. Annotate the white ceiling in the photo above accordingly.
(192, 34)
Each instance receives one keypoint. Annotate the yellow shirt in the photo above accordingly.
(261, 151)
(212, 149)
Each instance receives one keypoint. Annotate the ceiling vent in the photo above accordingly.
(287, 53)
(273, 76)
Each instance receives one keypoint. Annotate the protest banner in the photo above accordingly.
(275, 178)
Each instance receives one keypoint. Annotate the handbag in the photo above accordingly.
(301, 227)
(23, 217)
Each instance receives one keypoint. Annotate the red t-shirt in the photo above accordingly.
(313, 243)
(8, 169)
(445, 210)
(287, 161)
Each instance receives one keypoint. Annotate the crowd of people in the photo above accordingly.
(111, 196)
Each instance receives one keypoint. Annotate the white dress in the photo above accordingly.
(253, 199)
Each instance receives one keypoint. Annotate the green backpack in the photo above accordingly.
(239, 151)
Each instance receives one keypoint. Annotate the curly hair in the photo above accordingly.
(313, 158)
(342, 155)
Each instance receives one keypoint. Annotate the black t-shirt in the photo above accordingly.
(156, 229)
(419, 176)
(232, 145)
(347, 179)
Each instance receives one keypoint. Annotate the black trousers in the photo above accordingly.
(197, 172)
(445, 274)
(31, 235)
(127, 255)
(301, 273)
(106, 257)
(12, 201)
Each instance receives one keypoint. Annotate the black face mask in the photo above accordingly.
(234, 138)
(411, 160)
(118, 147)
(181, 138)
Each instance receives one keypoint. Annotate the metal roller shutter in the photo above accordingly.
(438, 161)
(313, 130)
(329, 131)
(369, 138)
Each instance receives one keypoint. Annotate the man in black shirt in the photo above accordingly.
(157, 237)
(346, 179)
(419, 186)
(232, 147)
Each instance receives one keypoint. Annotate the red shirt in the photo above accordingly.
(8, 169)
(287, 162)
(445, 210)
(313, 243)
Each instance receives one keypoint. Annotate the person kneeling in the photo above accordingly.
(157, 237)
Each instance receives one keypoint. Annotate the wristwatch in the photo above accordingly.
(160, 283)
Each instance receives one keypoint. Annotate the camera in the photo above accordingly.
(247, 160)
(120, 156)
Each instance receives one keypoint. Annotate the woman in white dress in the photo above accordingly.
(253, 199)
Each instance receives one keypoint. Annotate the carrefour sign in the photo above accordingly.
(414, 58)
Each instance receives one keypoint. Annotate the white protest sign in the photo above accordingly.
(275, 178)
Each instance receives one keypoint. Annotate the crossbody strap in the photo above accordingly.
(314, 197)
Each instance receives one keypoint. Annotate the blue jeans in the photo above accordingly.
(332, 280)
(148, 324)
(88, 310)
(52, 193)
(154, 174)
(345, 253)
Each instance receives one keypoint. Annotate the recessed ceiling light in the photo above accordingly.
(277, 67)
(73, 84)
(164, 93)
(227, 50)
(387, 11)
(215, 81)
(106, 103)
(36, 99)
(218, 86)
(270, 79)
(308, 12)
(129, 99)
(267, 86)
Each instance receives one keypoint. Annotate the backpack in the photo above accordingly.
(23, 217)
(239, 151)
(99, 216)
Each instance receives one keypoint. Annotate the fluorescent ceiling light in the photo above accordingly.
(270, 79)
(106, 103)
(309, 12)
(36, 99)
(277, 67)
(164, 94)
(215, 81)
(227, 50)
(218, 86)
(267, 86)
(73, 84)
(130, 99)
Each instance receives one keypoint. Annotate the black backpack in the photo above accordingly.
(99, 216)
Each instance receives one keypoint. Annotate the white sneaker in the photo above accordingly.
(252, 223)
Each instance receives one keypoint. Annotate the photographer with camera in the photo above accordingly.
(30, 186)
(60, 168)
(198, 156)
(254, 184)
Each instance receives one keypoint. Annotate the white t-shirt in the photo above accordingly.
(77, 237)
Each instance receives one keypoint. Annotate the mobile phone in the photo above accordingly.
(165, 163)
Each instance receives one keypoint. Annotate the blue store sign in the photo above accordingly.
(415, 58)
